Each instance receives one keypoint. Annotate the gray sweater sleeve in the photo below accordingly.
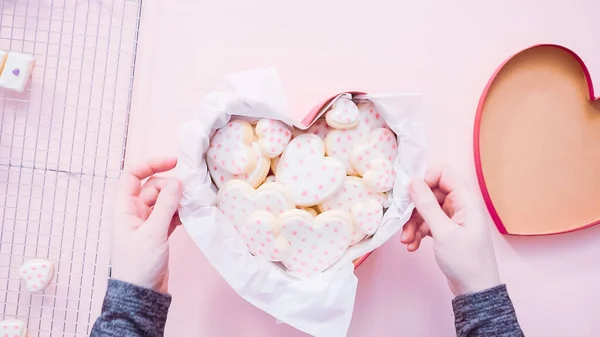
(486, 313)
(129, 311)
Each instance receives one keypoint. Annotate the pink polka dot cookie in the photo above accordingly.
(260, 232)
(316, 243)
(343, 114)
(381, 176)
(37, 274)
(319, 128)
(380, 144)
(237, 199)
(273, 136)
(231, 147)
(13, 328)
(367, 216)
(310, 176)
(354, 192)
(339, 143)
(255, 177)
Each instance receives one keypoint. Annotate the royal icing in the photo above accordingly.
(319, 128)
(353, 192)
(254, 178)
(380, 144)
(37, 274)
(343, 114)
(310, 176)
(237, 199)
(273, 137)
(367, 216)
(316, 243)
(339, 143)
(13, 328)
(260, 232)
(231, 147)
(310, 211)
(381, 176)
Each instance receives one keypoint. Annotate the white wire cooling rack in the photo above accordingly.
(62, 143)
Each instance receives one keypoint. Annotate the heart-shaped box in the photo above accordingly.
(537, 143)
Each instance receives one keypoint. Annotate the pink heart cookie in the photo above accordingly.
(381, 176)
(354, 192)
(237, 199)
(380, 144)
(339, 143)
(260, 231)
(367, 216)
(231, 147)
(37, 274)
(13, 328)
(343, 114)
(309, 175)
(255, 177)
(316, 243)
(273, 136)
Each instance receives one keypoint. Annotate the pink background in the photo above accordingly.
(443, 49)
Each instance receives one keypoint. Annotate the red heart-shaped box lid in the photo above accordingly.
(537, 143)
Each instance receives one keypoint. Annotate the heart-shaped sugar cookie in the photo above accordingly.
(231, 147)
(316, 243)
(260, 231)
(13, 328)
(37, 274)
(537, 144)
(343, 114)
(367, 216)
(319, 128)
(379, 144)
(255, 177)
(307, 173)
(237, 200)
(381, 176)
(273, 137)
(339, 143)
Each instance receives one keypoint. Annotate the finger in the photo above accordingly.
(131, 178)
(175, 222)
(409, 229)
(165, 208)
(428, 206)
(424, 230)
(151, 188)
(440, 195)
(448, 181)
(413, 246)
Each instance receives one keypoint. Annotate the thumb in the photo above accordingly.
(165, 208)
(427, 205)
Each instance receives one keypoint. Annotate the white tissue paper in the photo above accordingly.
(321, 306)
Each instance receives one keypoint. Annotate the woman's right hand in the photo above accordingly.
(449, 211)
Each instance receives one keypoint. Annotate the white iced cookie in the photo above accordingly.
(254, 178)
(381, 176)
(343, 114)
(37, 274)
(339, 143)
(310, 176)
(354, 192)
(270, 179)
(237, 200)
(367, 216)
(319, 128)
(274, 163)
(231, 147)
(16, 71)
(316, 243)
(261, 233)
(273, 137)
(380, 144)
(13, 328)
